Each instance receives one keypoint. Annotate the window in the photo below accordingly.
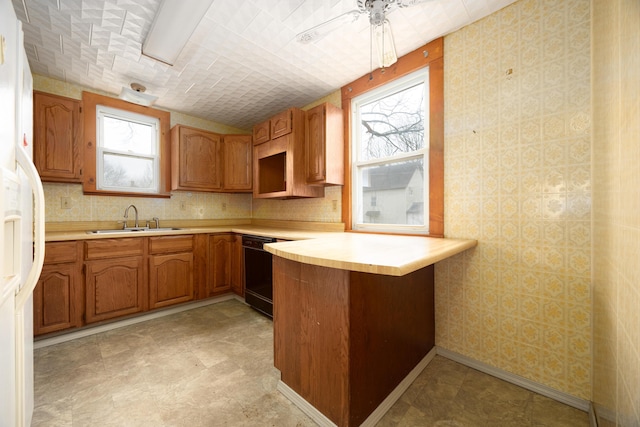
(394, 136)
(127, 151)
(126, 148)
(390, 154)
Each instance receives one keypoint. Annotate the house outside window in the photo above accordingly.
(390, 155)
(128, 146)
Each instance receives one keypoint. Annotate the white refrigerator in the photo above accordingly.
(21, 225)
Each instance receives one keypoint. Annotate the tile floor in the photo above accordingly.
(213, 366)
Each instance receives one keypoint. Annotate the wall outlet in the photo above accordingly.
(65, 202)
(183, 205)
(224, 206)
(334, 205)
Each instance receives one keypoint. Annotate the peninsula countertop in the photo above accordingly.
(371, 253)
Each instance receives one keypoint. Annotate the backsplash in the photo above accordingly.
(181, 205)
(327, 209)
(518, 179)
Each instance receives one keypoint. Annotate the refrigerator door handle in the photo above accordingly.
(30, 171)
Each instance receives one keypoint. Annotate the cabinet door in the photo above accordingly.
(219, 264)
(57, 129)
(170, 279)
(281, 124)
(196, 160)
(324, 145)
(238, 167)
(314, 144)
(115, 287)
(237, 266)
(57, 299)
(261, 132)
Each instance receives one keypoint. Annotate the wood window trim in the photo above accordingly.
(90, 101)
(430, 55)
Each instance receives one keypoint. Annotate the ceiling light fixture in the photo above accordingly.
(172, 27)
(136, 95)
(380, 29)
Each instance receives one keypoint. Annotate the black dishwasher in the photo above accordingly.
(258, 273)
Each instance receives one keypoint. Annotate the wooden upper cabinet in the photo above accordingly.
(262, 132)
(277, 126)
(282, 124)
(238, 166)
(196, 159)
(57, 126)
(324, 145)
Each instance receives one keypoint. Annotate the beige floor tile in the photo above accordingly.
(213, 366)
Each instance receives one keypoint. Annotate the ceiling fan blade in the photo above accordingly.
(409, 3)
(319, 31)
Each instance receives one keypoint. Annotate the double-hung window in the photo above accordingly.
(390, 156)
(128, 151)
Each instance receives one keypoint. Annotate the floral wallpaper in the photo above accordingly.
(616, 207)
(518, 179)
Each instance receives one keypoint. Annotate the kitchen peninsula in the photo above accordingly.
(353, 317)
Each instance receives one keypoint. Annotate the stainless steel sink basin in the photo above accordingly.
(133, 230)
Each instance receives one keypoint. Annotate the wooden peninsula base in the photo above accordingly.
(343, 339)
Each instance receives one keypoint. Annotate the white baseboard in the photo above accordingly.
(600, 412)
(593, 420)
(320, 419)
(87, 331)
(393, 397)
(542, 389)
(306, 407)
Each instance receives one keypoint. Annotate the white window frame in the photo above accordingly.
(104, 111)
(417, 77)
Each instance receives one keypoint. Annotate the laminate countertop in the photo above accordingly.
(371, 253)
(368, 253)
(276, 232)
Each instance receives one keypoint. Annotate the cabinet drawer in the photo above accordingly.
(168, 244)
(281, 124)
(56, 252)
(261, 132)
(113, 248)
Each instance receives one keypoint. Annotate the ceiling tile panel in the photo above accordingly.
(242, 63)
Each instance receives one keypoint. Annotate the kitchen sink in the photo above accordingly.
(132, 230)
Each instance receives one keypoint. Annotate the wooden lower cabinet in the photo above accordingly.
(170, 279)
(58, 298)
(84, 282)
(237, 266)
(171, 270)
(220, 249)
(115, 287)
(344, 340)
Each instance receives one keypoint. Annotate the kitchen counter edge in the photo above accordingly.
(372, 253)
(278, 233)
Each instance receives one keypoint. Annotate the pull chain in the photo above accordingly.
(371, 51)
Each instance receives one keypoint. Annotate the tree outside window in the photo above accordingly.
(389, 169)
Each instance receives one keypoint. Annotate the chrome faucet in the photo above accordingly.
(126, 216)
(156, 220)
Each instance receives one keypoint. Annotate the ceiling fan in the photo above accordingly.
(380, 27)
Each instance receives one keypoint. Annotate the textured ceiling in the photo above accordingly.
(242, 63)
